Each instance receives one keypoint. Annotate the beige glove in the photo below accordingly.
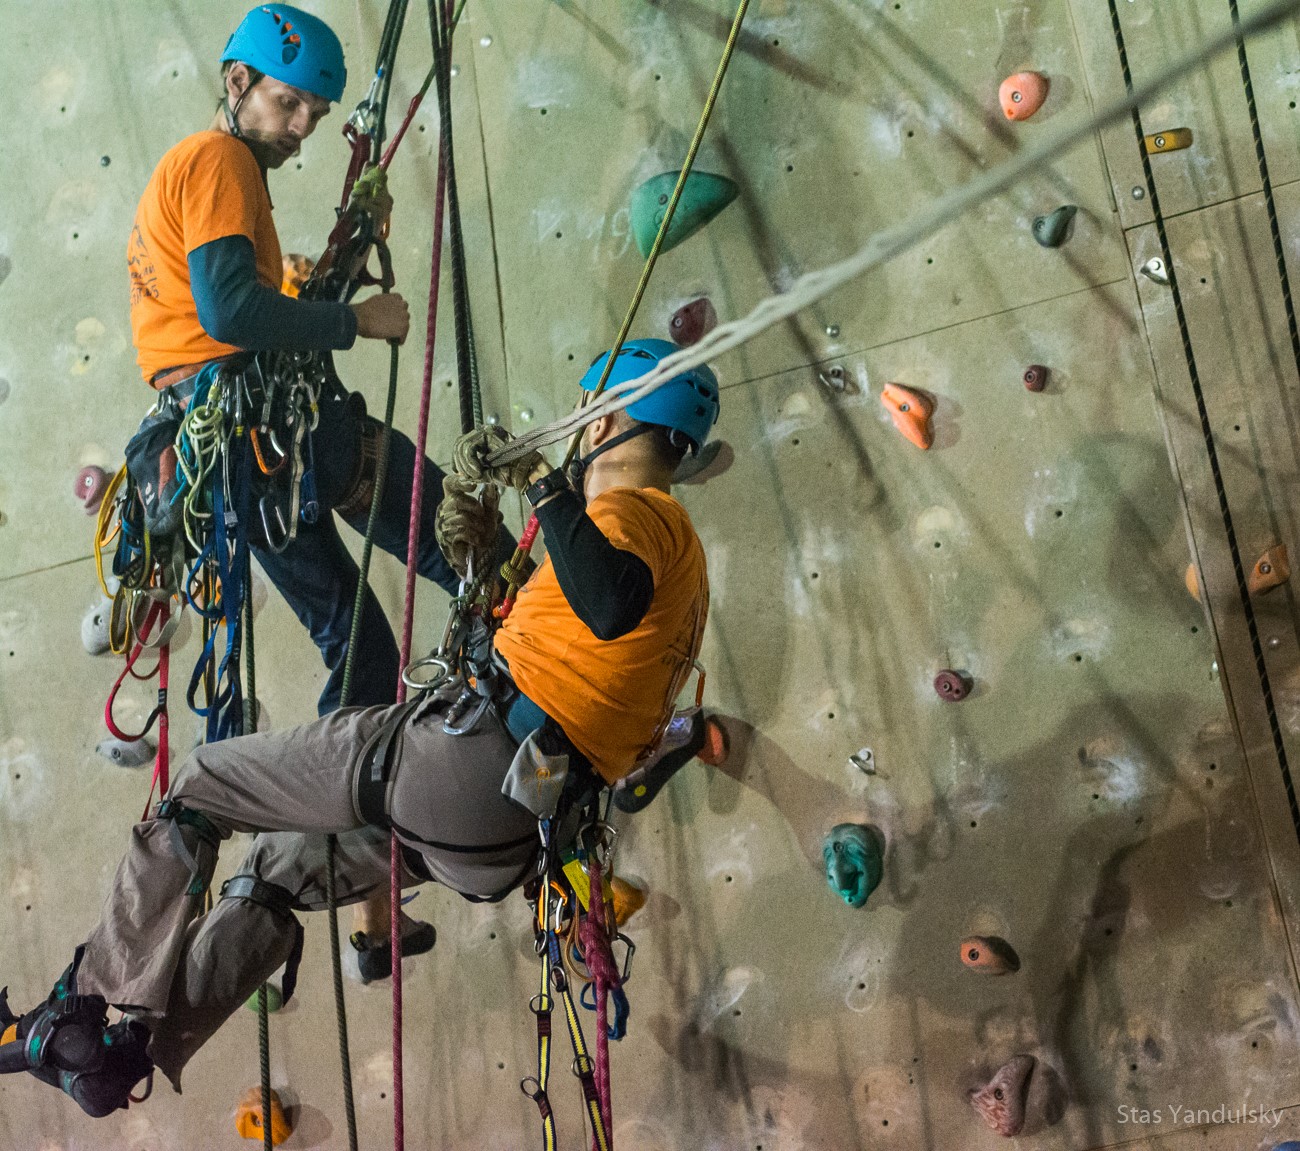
(462, 525)
(469, 458)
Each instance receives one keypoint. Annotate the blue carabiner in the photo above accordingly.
(309, 503)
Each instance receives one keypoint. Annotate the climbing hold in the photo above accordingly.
(1174, 140)
(854, 862)
(274, 999)
(716, 745)
(1022, 94)
(1001, 1101)
(248, 1117)
(1289, 1145)
(91, 482)
(9, 1034)
(628, 899)
(94, 627)
(124, 753)
(951, 686)
(1154, 269)
(703, 197)
(1035, 377)
(989, 955)
(1271, 570)
(1193, 584)
(910, 410)
(692, 322)
(1050, 230)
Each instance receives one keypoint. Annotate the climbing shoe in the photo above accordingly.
(375, 952)
(691, 735)
(68, 1043)
(151, 460)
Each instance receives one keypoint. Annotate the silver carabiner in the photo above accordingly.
(444, 671)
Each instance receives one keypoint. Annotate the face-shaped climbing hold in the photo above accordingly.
(1022, 94)
(1050, 230)
(1001, 1101)
(911, 411)
(951, 686)
(989, 955)
(1174, 140)
(248, 1117)
(1271, 570)
(124, 753)
(692, 322)
(90, 486)
(703, 197)
(1035, 377)
(854, 862)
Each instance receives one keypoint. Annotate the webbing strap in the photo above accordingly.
(279, 901)
(541, 1006)
(583, 1067)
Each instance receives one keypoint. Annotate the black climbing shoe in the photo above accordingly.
(68, 1043)
(375, 953)
(690, 735)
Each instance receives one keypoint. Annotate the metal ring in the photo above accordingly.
(443, 674)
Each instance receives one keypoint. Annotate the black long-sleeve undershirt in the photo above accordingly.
(608, 588)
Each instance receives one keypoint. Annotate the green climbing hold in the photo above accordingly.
(854, 862)
(703, 197)
(1050, 230)
(274, 1000)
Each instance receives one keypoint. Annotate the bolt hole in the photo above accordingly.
(1291, 104)
(938, 544)
(1110, 931)
(830, 715)
(76, 235)
(776, 43)
(501, 1066)
(929, 261)
(1235, 427)
(814, 575)
(492, 934)
(29, 907)
(1214, 767)
(1203, 280)
(862, 987)
(298, 166)
(884, 1122)
(570, 356)
(1195, 629)
(559, 235)
(383, 1095)
(910, 133)
(174, 75)
(64, 108)
(972, 823)
(736, 1012)
(1077, 658)
(1132, 1066)
(421, 127)
(543, 111)
(1059, 513)
(728, 878)
(658, 77)
(1096, 795)
(1137, 822)
(1227, 903)
(789, 167)
(795, 441)
(1254, 1043)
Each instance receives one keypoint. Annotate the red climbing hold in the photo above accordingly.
(989, 955)
(910, 410)
(1022, 94)
(951, 686)
(1035, 377)
(91, 484)
(692, 322)
(716, 746)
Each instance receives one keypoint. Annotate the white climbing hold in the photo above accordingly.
(94, 627)
(1001, 1101)
(128, 753)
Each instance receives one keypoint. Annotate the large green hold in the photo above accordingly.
(703, 197)
(854, 862)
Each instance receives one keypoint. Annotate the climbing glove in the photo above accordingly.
(469, 458)
(464, 526)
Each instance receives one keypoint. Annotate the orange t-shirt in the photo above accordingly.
(611, 697)
(205, 188)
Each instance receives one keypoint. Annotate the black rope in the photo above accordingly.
(471, 403)
(1243, 587)
(340, 1010)
(385, 63)
(250, 726)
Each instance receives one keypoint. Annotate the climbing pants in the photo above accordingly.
(156, 951)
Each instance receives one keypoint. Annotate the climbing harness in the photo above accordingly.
(883, 246)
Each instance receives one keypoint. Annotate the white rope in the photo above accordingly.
(883, 246)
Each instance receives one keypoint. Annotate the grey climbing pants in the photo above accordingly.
(156, 951)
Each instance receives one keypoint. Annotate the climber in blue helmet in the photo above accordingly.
(282, 69)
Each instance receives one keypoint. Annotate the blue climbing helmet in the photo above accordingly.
(688, 404)
(291, 46)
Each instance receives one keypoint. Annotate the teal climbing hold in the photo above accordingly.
(854, 862)
(274, 1000)
(703, 197)
(1050, 230)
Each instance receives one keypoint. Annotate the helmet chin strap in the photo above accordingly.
(232, 114)
(578, 468)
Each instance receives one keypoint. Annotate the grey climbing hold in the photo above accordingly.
(124, 753)
(1001, 1101)
(94, 627)
(1050, 230)
(692, 466)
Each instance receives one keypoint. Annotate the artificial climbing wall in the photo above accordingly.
(1110, 796)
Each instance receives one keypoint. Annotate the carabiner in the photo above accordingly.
(255, 435)
(278, 539)
(309, 504)
(443, 672)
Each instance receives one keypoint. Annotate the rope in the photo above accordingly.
(883, 246)
(340, 1008)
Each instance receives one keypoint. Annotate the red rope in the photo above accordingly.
(408, 617)
(604, 975)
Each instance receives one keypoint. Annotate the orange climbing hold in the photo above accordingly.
(248, 1117)
(1022, 94)
(628, 899)
(1174, 140)
(989, 955)
(911, 411)
(1193, 582)
(1271, 570)
(10, 1034)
